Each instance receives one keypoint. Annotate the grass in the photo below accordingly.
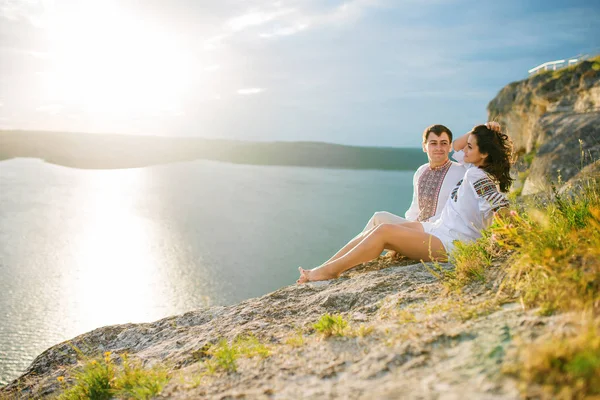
(556, 253)
(102, 379)
(553, 252)
(528, 158)
(563, 367)
(470, 259)
(362, 331)
(458, 308)
(331, 325)
(224, 355)
(296, 340)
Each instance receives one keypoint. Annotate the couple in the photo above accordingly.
(452, 201)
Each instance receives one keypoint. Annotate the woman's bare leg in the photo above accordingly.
(350, 245)
(408, 241)
(358, 238)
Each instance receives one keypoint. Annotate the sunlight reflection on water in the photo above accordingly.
(115, 272)
(81, 249)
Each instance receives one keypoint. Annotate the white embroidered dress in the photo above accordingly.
(470, 208)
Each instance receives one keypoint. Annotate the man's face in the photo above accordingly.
(437, 148)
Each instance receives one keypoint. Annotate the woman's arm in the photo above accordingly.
(461, 142)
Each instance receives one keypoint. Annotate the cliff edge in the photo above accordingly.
(554, 120)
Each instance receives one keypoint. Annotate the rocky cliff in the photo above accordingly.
(554, 120)
(404, 340)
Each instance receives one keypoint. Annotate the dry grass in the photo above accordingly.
(562, 367)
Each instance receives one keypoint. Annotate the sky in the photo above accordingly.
(357, 72)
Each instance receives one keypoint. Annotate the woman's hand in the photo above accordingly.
(494, 126)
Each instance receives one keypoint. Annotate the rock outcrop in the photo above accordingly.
(414, 342)
(554, 118)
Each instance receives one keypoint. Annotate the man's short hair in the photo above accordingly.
(438, 130)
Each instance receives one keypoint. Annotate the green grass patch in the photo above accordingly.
(103, 379)
(470, 259)
(224, 355)
(555, 262)
(552, 253)
(331, 325)
(528, 158)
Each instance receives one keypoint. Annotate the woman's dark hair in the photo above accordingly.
(499, 149)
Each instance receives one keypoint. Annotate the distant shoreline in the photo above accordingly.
(114, 151)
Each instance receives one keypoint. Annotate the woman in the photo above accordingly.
(487, 155)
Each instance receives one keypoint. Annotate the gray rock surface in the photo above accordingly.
(443, 351)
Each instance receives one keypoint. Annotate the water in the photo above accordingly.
(80, 249)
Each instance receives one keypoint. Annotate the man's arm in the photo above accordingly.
(413, 211)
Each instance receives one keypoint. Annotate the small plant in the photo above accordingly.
(102, 379)
(224, 356)
(136, 382)
(362, 331)
(471, 259)
(250, 346)
(296, 340)
(330, 325)
(528, 158)
(93, 381)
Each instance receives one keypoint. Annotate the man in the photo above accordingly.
(432, 183)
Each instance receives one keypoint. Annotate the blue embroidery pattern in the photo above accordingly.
(486, 189)
(454, 194)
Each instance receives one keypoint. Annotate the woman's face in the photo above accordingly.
(472, 154)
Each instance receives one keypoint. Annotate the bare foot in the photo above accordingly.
(311, 275)
(303, 275)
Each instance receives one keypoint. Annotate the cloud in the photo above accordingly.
(290, 30)
(271, 20)
(256, 18)
(250, 91)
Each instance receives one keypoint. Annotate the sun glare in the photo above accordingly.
(116, 270)
(108, 62)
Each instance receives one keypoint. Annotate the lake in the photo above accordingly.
(81, 249)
